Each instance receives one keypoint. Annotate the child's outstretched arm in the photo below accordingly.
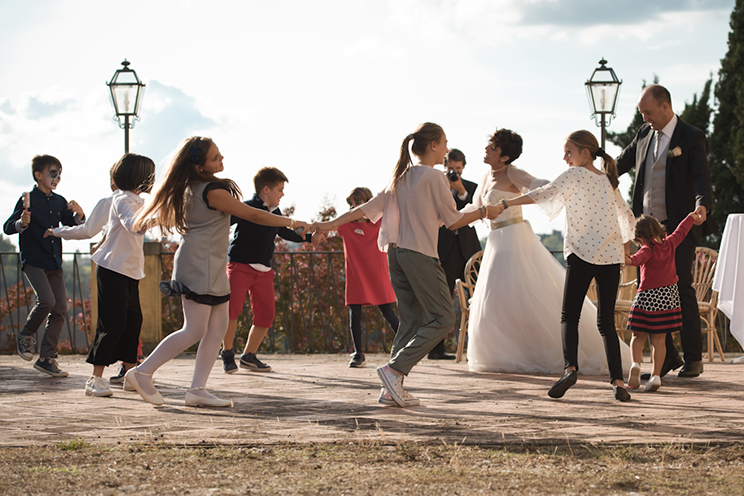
(332, 225)
(223, 201)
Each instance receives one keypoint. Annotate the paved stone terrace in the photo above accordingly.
(317, 398)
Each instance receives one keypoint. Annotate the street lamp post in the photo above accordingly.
(127, 92)
(602, 90)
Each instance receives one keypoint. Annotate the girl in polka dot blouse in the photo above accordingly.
(655, 311)
(598, 224)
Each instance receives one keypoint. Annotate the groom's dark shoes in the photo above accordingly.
(692, 368)
(669, 364)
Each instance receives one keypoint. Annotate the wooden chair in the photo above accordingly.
(465, 293)
(703, 270)
(626, 291)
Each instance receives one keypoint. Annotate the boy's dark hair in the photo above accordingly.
(455, 155)
(509, 142)
(268, 176)
(134, 173)
(359, 195)
(40, 163)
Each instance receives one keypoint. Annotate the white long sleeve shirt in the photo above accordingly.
(121, 251)
(94, 223)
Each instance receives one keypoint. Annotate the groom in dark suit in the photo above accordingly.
(672, 179)
(455, 247)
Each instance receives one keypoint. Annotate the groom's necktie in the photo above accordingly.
(657, 138)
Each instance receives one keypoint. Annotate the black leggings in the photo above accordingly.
(355, 322)
(579, 275)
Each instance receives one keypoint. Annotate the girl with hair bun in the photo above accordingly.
(599, 226)
(195, 203)
(656, 310)
(412, 207)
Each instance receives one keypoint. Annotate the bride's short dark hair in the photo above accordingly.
(509, 142)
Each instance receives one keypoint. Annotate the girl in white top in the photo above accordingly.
(121, 264)
(412, 207)
(598, 224)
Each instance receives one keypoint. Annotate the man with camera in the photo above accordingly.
(455, 247)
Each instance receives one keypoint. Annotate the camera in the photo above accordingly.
(452, 176)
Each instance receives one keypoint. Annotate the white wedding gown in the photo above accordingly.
(515, 313)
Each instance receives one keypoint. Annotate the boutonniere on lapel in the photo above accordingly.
(674, 152)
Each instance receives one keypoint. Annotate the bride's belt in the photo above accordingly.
(513, 220)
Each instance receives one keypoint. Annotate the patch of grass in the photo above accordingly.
(73, 445)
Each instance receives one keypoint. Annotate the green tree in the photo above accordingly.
(726, 144)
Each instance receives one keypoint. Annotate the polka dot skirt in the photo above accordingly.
(656, 311)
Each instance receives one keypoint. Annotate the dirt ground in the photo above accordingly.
(77, 468)
(314, 426)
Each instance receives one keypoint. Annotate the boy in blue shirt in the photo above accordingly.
(41, 260)
(249, 270)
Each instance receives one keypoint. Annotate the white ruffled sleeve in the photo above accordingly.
(625, 217)
(553, 196)
(523, 180)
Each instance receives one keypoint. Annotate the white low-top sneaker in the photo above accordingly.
(96, 387)
(634, 376)
(386, 400)
(653, 384)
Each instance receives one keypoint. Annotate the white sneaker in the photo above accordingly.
(634, 377)
(393, 383)
(386, 400)
(653, 384)
(96, 387)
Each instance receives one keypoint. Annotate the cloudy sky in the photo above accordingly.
(326, 90)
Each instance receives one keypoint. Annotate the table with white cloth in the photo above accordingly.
(729, 277)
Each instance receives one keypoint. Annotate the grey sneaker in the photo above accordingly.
(228, 361)
(95, 386)
(357, 360)
(25, 346)
(49, 366)
(251, 362)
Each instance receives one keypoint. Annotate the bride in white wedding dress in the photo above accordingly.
(515, 312)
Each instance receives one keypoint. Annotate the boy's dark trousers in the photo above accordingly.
(51, 304)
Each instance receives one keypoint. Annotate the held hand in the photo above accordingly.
(701, 214)
(76, 209)
(628, 261)
(25, 218)
(49, 232)
(494, 211)
(301, 228)
(318, 238)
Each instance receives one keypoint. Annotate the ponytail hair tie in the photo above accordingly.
(411, 136)
(600, 152)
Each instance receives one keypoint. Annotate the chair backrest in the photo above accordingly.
(703, 270)
(472, 268)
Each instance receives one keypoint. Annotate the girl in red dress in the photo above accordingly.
(367, 275)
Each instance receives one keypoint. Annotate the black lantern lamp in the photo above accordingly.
(602, 90)
(127, 92)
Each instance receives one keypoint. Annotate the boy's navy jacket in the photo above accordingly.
(254, 243)
(46, 211)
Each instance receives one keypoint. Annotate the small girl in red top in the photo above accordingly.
(656, 309)
(367, 274)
